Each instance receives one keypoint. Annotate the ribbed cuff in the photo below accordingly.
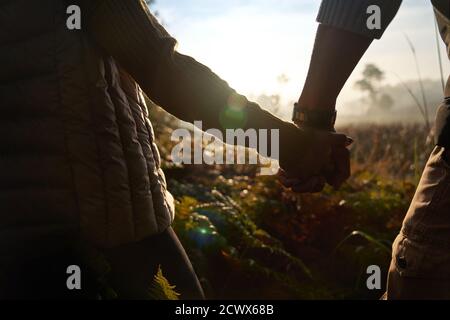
(351, 15)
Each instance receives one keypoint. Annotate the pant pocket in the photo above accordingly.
(413, 259)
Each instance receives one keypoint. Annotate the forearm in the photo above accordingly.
(192, 92)
(178, 83)
(335, 55)
(342, 39)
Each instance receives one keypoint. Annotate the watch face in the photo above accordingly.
(314, 118)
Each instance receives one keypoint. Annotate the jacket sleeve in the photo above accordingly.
(178, 83)
(352, 15)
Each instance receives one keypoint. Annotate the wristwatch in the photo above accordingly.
(322, 119)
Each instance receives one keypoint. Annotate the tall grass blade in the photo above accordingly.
(438, 41)
(422, 88)
(414, 97)
(367, 237)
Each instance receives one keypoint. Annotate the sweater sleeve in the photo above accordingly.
(352, 15)
(178, 83)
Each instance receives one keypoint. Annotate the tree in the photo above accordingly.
(370, 83)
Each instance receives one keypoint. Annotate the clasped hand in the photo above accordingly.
(309, 159)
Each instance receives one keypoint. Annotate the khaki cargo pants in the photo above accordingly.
(420, 266)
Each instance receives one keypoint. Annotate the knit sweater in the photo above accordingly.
(352, 15)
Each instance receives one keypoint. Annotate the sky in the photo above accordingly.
(251, 43)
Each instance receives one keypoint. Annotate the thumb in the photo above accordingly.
(339, 140)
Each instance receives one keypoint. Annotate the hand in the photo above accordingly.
(310, 158)
(340, 167)
(310, 185)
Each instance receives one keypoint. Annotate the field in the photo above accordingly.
(249, 238)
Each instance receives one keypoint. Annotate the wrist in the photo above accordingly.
(319, 118)
(313, 98)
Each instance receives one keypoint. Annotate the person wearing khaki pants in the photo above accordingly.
(420, 267)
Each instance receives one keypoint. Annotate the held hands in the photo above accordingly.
(311, 158)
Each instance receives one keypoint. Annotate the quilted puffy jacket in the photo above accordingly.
(77, 150)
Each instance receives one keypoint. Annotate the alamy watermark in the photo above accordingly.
(208, 147)
(374, 20)
(73, 281)
(373, 282)
(73, 22)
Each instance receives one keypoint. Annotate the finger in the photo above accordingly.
(285, 180)
(334, 139)
(311, 185)
(320, 184)
(349, 142)
(342, 168)
(341, 157)
(281, 173)
(339, 140)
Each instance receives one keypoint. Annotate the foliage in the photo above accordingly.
(248, 237)
(161, 289)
